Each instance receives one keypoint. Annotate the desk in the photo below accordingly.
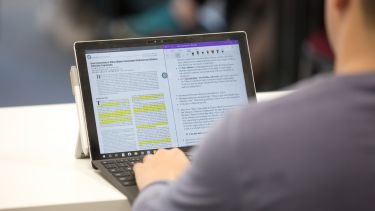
(38, 169)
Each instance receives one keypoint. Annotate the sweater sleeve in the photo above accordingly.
(208, 184)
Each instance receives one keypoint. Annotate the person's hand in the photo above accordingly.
(163, 165)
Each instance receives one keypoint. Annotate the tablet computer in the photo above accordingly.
(143, 94)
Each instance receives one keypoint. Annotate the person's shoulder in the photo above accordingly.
(301, 109)
(317, 96)
(317, 107)
(303, 97)
(304, 138)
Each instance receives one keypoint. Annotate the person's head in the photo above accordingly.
(351, 31)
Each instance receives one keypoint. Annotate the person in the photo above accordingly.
(311, 150)
(71, 20)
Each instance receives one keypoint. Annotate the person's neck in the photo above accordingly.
(356, 54)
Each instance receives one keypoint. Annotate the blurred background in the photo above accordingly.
(287, 39)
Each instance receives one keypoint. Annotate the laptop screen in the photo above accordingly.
(163, 96)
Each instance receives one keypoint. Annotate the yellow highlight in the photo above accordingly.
(110, 104)
(149, 97)
(150, 108)
(117, 113)
(115, 120)
(161, 141)
(153, 125)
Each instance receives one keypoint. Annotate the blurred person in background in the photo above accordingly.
(71, 20)
(281, 54)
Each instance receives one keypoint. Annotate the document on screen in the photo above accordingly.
(163, 97)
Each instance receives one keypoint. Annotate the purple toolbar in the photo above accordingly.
(200, 44)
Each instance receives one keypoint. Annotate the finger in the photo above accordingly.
(137, 166)
(161, 151)
(177, 150)
(147, 158)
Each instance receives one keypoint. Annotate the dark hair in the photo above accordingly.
(368, 7)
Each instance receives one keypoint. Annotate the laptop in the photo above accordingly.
(140, 95)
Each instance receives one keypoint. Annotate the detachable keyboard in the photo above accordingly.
(122, 169)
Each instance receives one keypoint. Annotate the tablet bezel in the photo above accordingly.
(80, 49)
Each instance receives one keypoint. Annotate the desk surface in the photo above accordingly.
(38, 169)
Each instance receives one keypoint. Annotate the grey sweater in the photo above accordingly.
(313, 150)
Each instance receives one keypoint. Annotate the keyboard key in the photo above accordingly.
(108, 162)
(122, 174)
(126, 178)
(121, 161)
(116, 170)
(128, 183)
(110, 166)
(122, 164)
